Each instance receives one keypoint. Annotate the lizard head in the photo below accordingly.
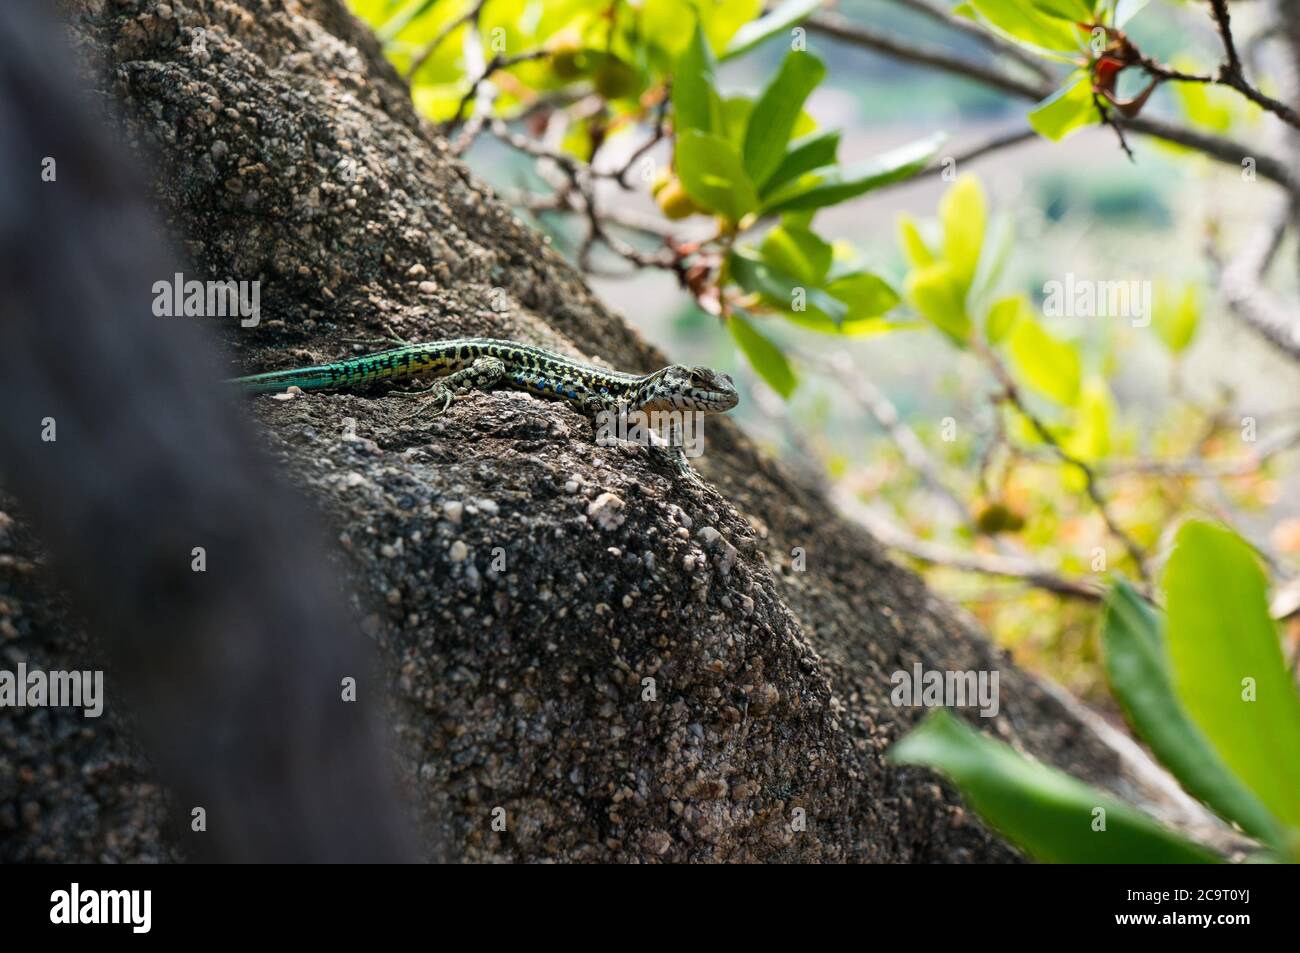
(678, 387)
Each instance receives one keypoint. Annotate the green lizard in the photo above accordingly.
(462, 365)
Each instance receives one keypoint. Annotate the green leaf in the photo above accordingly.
(964, 214)
(1067, 110)
(937, 293)
(834, 184)
(1137, 664)
(1220, 635)
(660, 27)
(798, 252)
(1045, 811)
(1019, 21)
(783, 291)
(853, 303)
(1002, 317)
(1076, 11)
(1089, 436)
(778, 108)
(1176, 317)
(695, 100)
(785, 16)
(1050, 366)
(723, 19)
(804, 155)
(764, 356)
(713, 175)
(855, 327)
(915, 249)
(735, 114)
(404, 16)
(868, 296)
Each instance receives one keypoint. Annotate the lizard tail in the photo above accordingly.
(308, 378)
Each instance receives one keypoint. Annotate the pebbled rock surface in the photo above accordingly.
(628, 664)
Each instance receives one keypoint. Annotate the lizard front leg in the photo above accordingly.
(483, 374)
(594, 405)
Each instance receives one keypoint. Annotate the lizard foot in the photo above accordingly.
(434, 404)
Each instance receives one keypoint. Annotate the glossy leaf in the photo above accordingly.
(723, 19)
(799, 252)
(804, 155)
(764, 356)
(867, 295)
(735, 114)
(1137, 664)
(1075, 11)
(963, 211)
(1020, 22)
(1002, 317)
(1048, 365)
(1045, 811)
(712, 173)
(1176, 317)
(774, 116)
(937, 293)
(783, 291)
(782, 18)
(915, 249)
(660, 25)
(1227, 663)
(695, 101)
(1067, 110)
(835, 184)
(1089, 436)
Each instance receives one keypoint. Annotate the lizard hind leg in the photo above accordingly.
(484, 373)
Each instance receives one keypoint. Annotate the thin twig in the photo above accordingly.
(469, 16)
(656, 136)
(499, 61)
(1011, 394)
(583, 195)
(988, 564)
(874, 401)
(1109, 120)
(1220, 148)
(996, 143)
(1233, 73)
(841, 28)
(943, 15)
(1240, 283)
(1199, 468)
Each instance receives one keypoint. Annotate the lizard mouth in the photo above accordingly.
(718, 400)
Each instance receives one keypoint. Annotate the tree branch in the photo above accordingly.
(1233, 73)
(469, 16)
(840, 28)
(886, 414)
(1222, 149)
(1011, 394)
(1240, 283)
(943, 15)
(988, 564)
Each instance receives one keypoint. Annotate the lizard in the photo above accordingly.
(460, 366)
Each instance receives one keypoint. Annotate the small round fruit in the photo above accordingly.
(660, 181)
(1000, 518)
(615, 80)
(675, 203)
(567, 64)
